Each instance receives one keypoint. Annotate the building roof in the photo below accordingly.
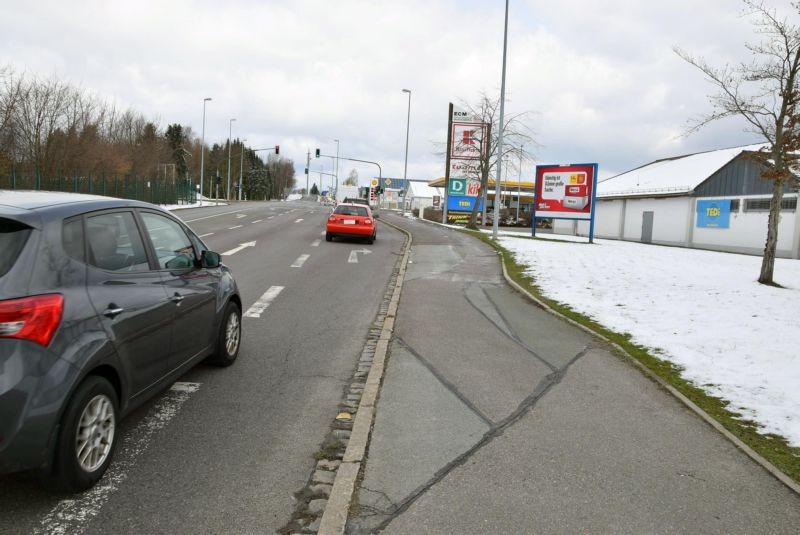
(671, 176)
(421, 190)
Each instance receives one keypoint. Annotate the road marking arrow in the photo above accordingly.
(240, 248)
(353, 258)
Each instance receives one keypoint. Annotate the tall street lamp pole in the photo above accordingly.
(230, 131)
(519, 181)
(241, 168)
(203, 147)
(336, 191)
(405, 165)
(496, 218)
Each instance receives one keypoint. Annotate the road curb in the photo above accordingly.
(736, 441)
(334, 519)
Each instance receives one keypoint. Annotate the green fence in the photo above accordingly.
(159, 191)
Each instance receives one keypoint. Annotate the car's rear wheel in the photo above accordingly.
(87, 438)
(328, 236)
(229, 338)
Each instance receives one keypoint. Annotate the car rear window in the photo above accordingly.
(343, 209)
(13, 236)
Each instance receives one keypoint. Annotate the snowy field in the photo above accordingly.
(702, 310)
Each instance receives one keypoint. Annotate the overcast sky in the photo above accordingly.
(600, 78)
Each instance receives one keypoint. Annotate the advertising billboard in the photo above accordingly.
(565, 191)
(715, 213)
(468, 141)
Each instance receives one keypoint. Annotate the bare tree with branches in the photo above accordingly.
(765, 92)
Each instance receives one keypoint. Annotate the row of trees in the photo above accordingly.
(52, 128)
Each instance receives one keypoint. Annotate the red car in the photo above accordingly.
(353, 220)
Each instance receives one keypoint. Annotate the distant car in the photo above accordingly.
(103, 303)
(352, 220)
(373, 207)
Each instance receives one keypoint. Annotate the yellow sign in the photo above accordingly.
(374, 182)
(388, 182)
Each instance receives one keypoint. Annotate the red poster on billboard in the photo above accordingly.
(565, 191)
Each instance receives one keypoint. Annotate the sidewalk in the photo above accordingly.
(496, 417)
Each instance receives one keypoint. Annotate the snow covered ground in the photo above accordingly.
(702, 310)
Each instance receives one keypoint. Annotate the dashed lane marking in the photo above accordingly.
(257, 221)
(205, 235)
(300, 260)
(315, 243)
(298, 220)
(237, 226)
(73, 514)
(263, 302)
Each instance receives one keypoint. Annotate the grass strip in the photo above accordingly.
(772, 447)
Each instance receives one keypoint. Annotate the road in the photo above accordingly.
(225, 449)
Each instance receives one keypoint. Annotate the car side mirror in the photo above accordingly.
(210, 259)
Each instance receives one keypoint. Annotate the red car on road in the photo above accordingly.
(352, 220)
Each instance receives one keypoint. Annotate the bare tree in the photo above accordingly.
(352, 179)
(517, 140)
(765, 93)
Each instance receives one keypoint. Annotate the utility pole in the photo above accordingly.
(308, 170)
(496, 222)
(241, 170)
(230, 130)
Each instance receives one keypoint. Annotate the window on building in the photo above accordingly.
(735, 206)
(788, 204)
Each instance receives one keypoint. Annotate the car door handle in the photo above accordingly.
(112, 312)
(177, 298)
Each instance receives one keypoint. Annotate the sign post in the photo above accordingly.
(565, 192)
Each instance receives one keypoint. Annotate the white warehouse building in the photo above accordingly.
(712, 200)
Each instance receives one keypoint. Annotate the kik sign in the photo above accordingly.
(464, 187)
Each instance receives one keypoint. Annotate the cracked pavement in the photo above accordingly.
(495, 416)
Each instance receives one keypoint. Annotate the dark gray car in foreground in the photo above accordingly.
(103, 303)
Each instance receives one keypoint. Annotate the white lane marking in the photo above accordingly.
(239, 216)
(298, 220)
(263, 302)
(353, 258)
(215, 215)
(270, 217)
(237, 226)
(323, 233)
(315, 243)
(73, 514)
(204, 235)
(258, 221)
(300, 260)
(240, 248)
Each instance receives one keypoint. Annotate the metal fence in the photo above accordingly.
(158, 191)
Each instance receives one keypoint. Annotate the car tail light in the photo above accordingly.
(368, 221)
(332, 218)
(31, 318)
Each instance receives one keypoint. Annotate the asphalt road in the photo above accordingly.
(224, 449)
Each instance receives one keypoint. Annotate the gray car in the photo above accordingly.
(103, 303)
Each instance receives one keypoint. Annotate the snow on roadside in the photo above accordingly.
(737, 339)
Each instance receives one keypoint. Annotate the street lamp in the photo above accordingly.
(496, 222)
(203, 147)
(336, 191)
(405, 166)
(519, 181)
(230, 131)
(241, 167)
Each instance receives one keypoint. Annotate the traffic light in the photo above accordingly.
(306, 171)
(316, 154)
(277, 149)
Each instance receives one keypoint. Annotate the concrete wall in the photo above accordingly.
(747, 232)
(675, 220)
